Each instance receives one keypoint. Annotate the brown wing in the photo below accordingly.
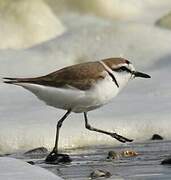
(80, 76)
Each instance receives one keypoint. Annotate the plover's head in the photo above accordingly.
(122, 70)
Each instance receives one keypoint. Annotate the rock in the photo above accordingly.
(166, 161)
(36, 153)
(100, 173)
(112, 155)
(31, 162)
(117, 155)
(57, 158)
(165, 21)
(128, 153)
(38, 150)
(156, 137)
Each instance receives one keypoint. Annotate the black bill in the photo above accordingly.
(140, 74)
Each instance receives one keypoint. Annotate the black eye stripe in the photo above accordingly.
(123, 68)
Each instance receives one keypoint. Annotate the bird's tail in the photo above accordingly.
(9, 80)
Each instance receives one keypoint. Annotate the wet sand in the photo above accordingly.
(146, 165)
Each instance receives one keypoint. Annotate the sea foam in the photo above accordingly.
(26, 23)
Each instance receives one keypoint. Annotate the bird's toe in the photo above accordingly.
(55, 158)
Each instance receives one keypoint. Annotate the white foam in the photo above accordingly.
(24, 24)
(127, 10)
(14, 169)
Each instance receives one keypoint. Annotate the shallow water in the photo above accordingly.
(146, 165)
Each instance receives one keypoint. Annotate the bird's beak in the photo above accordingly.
(140, 74)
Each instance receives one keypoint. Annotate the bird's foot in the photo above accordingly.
(120, 138)
(55, 158)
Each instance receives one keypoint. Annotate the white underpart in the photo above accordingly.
(77, 100)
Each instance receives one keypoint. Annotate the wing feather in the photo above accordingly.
(80, 76)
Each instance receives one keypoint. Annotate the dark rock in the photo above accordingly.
(54, 158)
(38, 150)
(156, 137)
(112, 155)
(100, 173)
(31, 162)
(166, 161)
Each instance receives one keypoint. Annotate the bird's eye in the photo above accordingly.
(122, 69)
(127, 62)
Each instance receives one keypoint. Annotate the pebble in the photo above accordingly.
(156, 137)
(36, 153)
(38, 150)
(117, 155)
(99, 173)
(128, 153)
(166, 161)
(31, 162)
(112, 155)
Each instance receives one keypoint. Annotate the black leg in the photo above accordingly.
(59, 125)
(54, 157)
(114, 135)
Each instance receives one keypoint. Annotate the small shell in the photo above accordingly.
(112, 155)
(99, 173)
(128, 153)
